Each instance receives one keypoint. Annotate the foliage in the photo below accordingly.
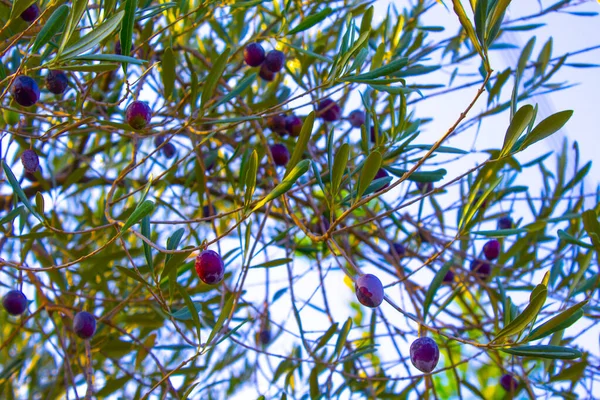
(111, 225)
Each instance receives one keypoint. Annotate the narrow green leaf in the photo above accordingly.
(54, 24)
(302, 143)
(110, 57)
(578, 176)
(501, 79)
(188, 391)
(385, 70)
(101, 67)
(441, 149)
(149, 12)
(476, 203)
(481, 12)
(286, 184)
(419, 176)
(592, 227)
(77, 10)
(546, 128)
(528, 315)
(126, 35)
(313, 383)
(521, 64)
(190, 305)
(237, 90)
(558, 322)
(147, 249)
(92, 39)
(375, 186)
(311, 21)
(11, 215)
(227, 309)
(519, 122)
(339, 167)
(273, 263)
(130, 273)
(326, 337)
(39, 203)
(573, 373)
(468, 27)
(142, 210)
(175, 262)
(359, 353)
(368, 172)
(544, 58)
(173, 241)
(343, 337)
(367, 18)
(500, 232)
(392, 89)
(213, 77)
(251, 178)
(571, 240)
(14, 183)
(168, 72)
(308, 52)
(232, 331)
(438, 279)
(542, 351)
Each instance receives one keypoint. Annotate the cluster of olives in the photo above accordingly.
(270, 63)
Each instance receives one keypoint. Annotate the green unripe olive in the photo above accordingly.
(10, 117)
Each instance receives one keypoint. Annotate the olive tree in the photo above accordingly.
(242, 199)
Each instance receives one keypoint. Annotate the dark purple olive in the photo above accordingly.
(373, 137)
(14, 302)
(25, 91)
(329, 110)
(31, 13)
(398, 248)
(424, 354)
(449, 277)
(138, 114)
(84, 325)
(169, 150)
(264, 336)
(281, 155)
(491, 250)
(254, 54)
(209, 211)
(357, 118)
(266, 74)
(277, 124)
(30, 161)
(293, 125)
(209, 267)
(57, 82)
(505, 223)
(509, 383)
(369, 290)
(482, 269)
(274, 61)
